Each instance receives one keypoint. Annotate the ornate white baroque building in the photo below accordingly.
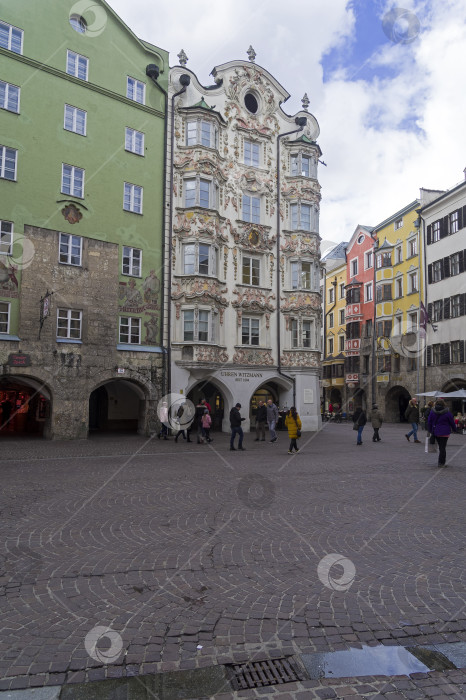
(243, 251)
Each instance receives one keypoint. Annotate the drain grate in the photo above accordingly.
(258, 674)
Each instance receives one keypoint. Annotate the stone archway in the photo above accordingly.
(396, 402)
(215, 398)
(455, 405)
(118, 405)
(25, 404)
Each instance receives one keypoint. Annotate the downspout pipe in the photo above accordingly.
(301, 123)
(374, 322)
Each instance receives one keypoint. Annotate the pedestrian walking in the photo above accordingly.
(293, 424)
(441, 425)
(236, 429)
(261, 420)
(412, 416)
(272, 418)
(163, 415)
(376, 422)
(359, 421)
(197, 422)
(206, 421)
(178, 418)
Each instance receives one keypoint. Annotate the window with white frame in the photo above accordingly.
(201, 132)
(398, 287)
(412, 283)
(199, 259)
(302, 165)
(398, 224)
(456, 351)
(330, 320)
(330, 346)
(251, 209)
(341, 343)
(435, 231)
(342, 317)
(251, 153)
(368, 259)
(77, 65)
(300, 217)
(301, 274)
(132, 198)
(251, 271)
(354, 267)
(437, 271)
(70, 249)
(200, 192)
(6, 237)
(455, 306)
(69, 323)
(383, 260)
(398, 325)
(412, 247)
(342, 290)
(399, 254)
(4, 317)
(75, 120)
(9, 97)
(134, 141)
(78, 23)
(454, 264)
(130, 330)
(437, 310)
(135, 90)
(436, 354)
(8, 163)
(250, 331)
(196, 325)
(331, 295)
(412, 321)
(301, 333)
(368, 292)
(453, 222)
(11, 38)
(131, 261)
(72, 180)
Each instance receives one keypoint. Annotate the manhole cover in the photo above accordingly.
(259, 674)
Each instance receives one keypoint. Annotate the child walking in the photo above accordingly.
(293, 424)
(206, 423)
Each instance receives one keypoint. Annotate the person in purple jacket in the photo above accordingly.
(441, 424)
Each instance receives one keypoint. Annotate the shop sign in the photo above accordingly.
(19, 360)
(383, 377)
(241, 376)
(352, 378)
(120, 370)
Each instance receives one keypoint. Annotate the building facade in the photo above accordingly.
(82, 177)
(334, 311)
(244, 254)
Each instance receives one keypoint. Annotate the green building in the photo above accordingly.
(82, 123)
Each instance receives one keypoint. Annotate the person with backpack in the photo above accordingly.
(293, 424)
(441, 425)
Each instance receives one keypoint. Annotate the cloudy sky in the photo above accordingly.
(385, 82)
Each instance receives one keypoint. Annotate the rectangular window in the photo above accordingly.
(342, 290)
(203, 259)
(454, 264)
(204, 190)
(368, 259)
(75, 120)
(189, 258)
(437, 271)
(199, 258)
(69, 324)
(294, 333)
(455, 351)
(132, 261)
(384, 292)
(330, 346)
(11, 38)
(398, 224)
(331, 295)
(72, 180)
(330, 320)
(251, 271)
(455, 306)
(368, 292)
(453, 222)
(251, 153)
(342, 317)
(70, 249)
(134, 141)
(412, 322)
(132, 198)
(399, 254)
(191, 134)
(301, 165)
(135, 90)
(300, 275)
(301, 217)
(399, 287)
(412, 282)
(341, 343)
(9, 97)
(397, 328)
(251, 209)
(435, 233)
(77, 65)
(4, 317)
(203, 332)
(354, 267)
(190, 193)
(369, 328)
(307, 330)
(365, 365)
(383, 260)
(130, 330)
(201, 132)
(6, 237)
(8, 162)
(206, 134)
(437, 310)
(436, 354)
(188, 325)
(412, 247)
(250, 331)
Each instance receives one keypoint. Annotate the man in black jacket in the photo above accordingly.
(261, 420)
(235, 424)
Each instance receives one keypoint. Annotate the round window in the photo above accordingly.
(360, 239)
(78, 23)
(251, 103)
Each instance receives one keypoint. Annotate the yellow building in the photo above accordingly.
(333, 365)
(398, 297)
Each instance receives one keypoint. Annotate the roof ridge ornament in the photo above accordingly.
(305, 102)
(183, 57)
(251, 54)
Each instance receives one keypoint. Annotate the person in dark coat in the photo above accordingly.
(359, 420)
(236, 429)
(412, 416)
(197, 422)
(376, 421)
(261, 420)
(441, 424)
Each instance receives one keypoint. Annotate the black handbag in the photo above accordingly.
(299, 433)
(432, 439)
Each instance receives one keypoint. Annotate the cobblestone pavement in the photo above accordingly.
(196, 556)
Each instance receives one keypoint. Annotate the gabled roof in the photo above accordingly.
(337, 253)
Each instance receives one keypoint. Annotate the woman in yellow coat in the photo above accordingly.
(293, 423)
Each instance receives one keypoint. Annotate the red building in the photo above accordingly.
(359, 316)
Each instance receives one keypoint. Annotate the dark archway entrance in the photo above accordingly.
(116, 405)
(264, 393)
(335, 396)
(396, 403)
(455, 405)
(215, 399)
(25, 410)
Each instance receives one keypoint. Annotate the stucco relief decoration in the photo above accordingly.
(249, 181)
(252, 357)
(221, 313)
(300, 301)
(253, 236)
(178, 311)
(225, 260)
(8, 280)
(239, 317)
(293, 358)
(151, 326)
(192, 224)
(267, 321)
(253, 300)
(199, 162)
(199, 289)
(299, 243)
(72, 214)
(272, 267)
(299, 190)
(235, 261)
(207, 353)
(231, 196)
(137, 296)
